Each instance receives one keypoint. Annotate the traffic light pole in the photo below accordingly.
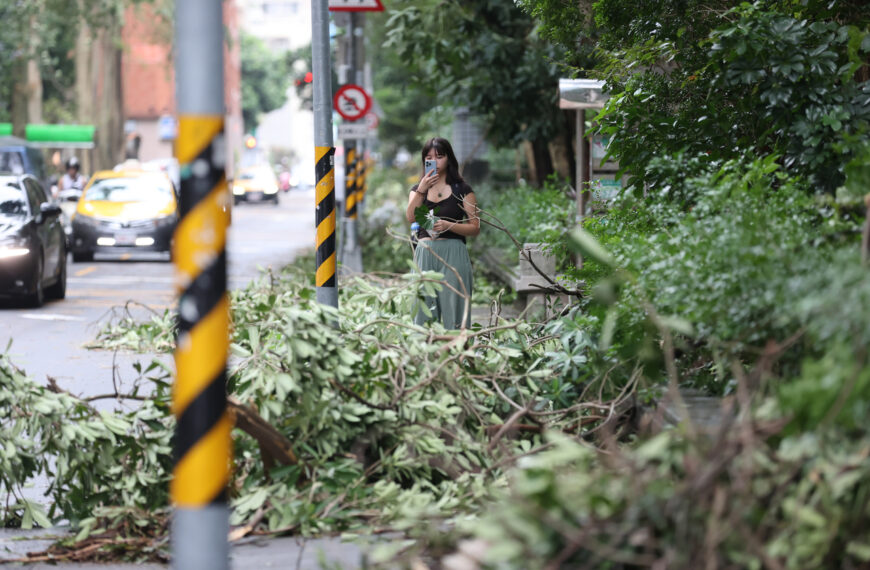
(203, 453)
(324, 157)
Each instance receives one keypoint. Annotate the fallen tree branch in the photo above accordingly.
(274, 447)
(244, 530)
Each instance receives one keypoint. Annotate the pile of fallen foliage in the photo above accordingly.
(746, 495)
(516, 445)
(374, 424)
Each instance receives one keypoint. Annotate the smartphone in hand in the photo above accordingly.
(430, 166)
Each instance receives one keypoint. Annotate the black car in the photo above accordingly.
(32, 241)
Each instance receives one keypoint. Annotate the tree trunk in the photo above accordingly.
(34, 81)
(529, 152)
(543, 164)
(85, 84)
(34, 92)
(107, 71)
(560, 157)
(19, 98)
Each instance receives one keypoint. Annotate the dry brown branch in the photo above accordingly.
(244, 530)
(554, 287)
(101, 547)
(506, 427)
(357, 397)
(273, 445)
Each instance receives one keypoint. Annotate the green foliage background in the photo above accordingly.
(265, 78)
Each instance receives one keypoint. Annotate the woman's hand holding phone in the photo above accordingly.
(430, 176)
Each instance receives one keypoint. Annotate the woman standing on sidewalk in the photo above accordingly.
(452, 204)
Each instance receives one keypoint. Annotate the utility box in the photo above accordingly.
(530, 280)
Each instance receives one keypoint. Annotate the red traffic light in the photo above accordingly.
(309, 77)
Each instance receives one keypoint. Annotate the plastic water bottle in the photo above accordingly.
(415, 227)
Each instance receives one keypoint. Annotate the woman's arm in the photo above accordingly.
(415, 200)
(470, 227)
(418, 194)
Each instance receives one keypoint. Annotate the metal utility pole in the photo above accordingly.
(324, 156)
(203, 446)
(351, 252)
(359, 66)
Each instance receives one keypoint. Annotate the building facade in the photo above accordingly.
(148, 84)
(286, 135)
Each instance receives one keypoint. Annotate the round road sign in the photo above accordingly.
(352, 102)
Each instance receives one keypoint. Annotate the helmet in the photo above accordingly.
(72, 163)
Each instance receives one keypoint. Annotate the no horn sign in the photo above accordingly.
(352, 102)
(356, 6)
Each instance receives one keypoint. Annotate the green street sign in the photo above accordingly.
(60, 136)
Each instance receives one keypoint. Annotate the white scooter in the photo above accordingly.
(68, 201)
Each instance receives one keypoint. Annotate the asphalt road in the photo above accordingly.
(49, 341)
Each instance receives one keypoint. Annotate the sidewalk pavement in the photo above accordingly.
(256, 553)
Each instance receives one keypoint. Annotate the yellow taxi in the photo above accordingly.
(256, 184)
(123, 211)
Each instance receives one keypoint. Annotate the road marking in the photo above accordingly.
(120, 303)
(236, 280)
(121, 279)
(50, 317)
(86, 270)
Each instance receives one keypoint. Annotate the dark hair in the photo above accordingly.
(442, 146)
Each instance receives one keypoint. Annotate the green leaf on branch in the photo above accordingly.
(582, 241)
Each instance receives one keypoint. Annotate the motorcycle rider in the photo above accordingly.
(72, 179)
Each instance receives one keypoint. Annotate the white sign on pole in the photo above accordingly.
(356, 6)
(352, 102)
(353, 131)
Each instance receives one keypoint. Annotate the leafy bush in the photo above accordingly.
(758, 80)
(675, 502)
(92, 458)
(531, 215)
(383, 217)
(734, 256)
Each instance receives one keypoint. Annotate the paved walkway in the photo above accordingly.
(248, 554)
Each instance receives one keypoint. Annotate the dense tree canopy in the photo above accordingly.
(720, 80)
(485, 55)
(265, 79)
(753, 80)
(45, 32)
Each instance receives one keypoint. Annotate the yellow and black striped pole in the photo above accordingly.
(203, 446)
(324, 156)
(350, 188)
(324, 218)
(361, 180)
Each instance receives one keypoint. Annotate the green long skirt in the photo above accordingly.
(452, 305)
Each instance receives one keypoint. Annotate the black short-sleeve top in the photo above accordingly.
(449, 209)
